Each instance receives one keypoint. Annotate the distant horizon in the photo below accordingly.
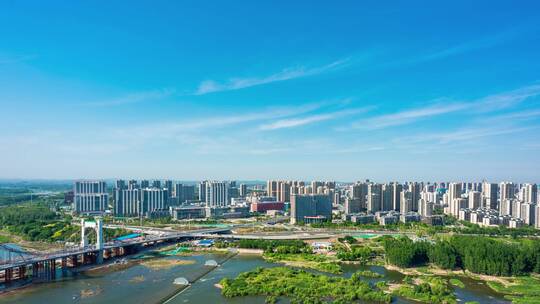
(408, 91)
(258, 181)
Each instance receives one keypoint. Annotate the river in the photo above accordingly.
(142, 283)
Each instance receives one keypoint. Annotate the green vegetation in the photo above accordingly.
(482, 255)
(5, 239)
(487, 256)
(522, 290)
(301, 287)
(427, 289)
(36, 222)
(403, 252)
(457, 283)
(470, 228)
(305, 260)
(362, 254)
(369, 274)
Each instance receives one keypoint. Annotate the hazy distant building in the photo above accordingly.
(90, 196)
(243, 190)
(145, 183)
(156, 184)
(306, 207)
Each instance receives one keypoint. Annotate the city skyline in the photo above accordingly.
(221, 91)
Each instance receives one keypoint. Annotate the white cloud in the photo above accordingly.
(489, 103)
(211, 86)
(296, 122)
(465, 134)
(507, 99)
(171, 129)
(406, 116)
(135, 97)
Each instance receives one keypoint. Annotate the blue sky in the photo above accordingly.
(403, 90)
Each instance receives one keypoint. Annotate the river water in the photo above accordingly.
(143, 284)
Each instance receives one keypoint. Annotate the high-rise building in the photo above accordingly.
(475, 199)
(90, 196)
(272, 188)
(353, 205)
(156, 184)
(396, 193)
(415, 188)
(387, 193)
(243, 190)
(406, 201)
(425, 208)
(153, 199)
(505, 207)
(305, 208)
(374, 198)
(132, 184)
(516, 208)
(537, 216)
(169, 186)
(454, 192)
(145, 183)
(127, 202)
(490, 192)
(217, 194)
(507, 191)
(528, 213)
(359, 193)
(529, 193)
(120, 184)
(284, 192)
(202, 191)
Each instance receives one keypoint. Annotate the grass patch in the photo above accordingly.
(457, 283)
(305, 260)
(521, 290)
(427, 289)
(301, 287)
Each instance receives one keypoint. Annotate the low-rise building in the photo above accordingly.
(187, 212)
(410, 217)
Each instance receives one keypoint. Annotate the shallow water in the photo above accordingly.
(141, 284)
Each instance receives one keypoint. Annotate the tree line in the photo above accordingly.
(499, 257)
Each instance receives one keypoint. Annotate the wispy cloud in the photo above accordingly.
(507, 99)
(407, 116)
(135, 98)
(301, 121)
(211, 86)
(467, 134)
(168, 129)
(469, 46)
(486, 104)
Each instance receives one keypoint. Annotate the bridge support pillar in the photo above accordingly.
(52, 269)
